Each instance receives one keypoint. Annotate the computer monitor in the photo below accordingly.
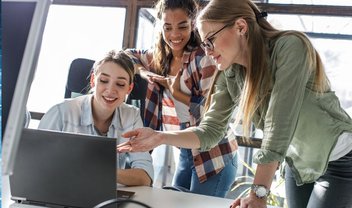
(23, 23)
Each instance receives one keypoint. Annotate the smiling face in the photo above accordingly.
(229, 44)
(176, 29)
(112, 84)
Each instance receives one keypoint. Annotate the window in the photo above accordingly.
(328, 35)
(314, 2)
(72, 32)
(146, 28)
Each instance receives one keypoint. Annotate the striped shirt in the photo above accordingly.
(198, 72)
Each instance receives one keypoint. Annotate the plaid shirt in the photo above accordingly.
(160, 114)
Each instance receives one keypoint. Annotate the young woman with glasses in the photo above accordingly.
(278, 81)
(180, 75)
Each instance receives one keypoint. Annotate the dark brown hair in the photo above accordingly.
(162, 52)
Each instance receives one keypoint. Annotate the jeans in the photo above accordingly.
(331, 190)
(217, 185)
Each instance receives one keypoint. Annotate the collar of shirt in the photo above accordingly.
(87, 117)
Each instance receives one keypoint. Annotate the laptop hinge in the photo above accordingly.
(21, 200)
(18, 199)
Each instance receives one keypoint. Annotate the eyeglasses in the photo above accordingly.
(207, 44)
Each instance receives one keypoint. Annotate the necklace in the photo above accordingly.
(101, 133)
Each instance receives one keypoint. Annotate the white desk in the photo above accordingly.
(160, 198)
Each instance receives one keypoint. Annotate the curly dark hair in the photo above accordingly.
(162, 53)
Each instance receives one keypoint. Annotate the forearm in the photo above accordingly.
(184, 139)
(143, 72)
(140, 59)
(145, 139)
(133, 177)
(265, 173)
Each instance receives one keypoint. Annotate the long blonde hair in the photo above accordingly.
(258, 81)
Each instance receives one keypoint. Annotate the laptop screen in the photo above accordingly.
(64, 169)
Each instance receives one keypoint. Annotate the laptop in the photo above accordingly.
(57, 169)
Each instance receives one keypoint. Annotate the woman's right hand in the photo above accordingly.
(250, 201)
(161, 80)
(147, 75)
(152, 78)
(141, 140)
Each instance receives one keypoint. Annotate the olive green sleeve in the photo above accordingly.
(291, 72)
(214, 123)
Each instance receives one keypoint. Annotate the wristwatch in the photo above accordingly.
(260, 191)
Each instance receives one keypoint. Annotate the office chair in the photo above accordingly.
(78, 77)
(138, 94)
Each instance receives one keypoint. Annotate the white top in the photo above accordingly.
(75, 116)
(182, 110)
(342, 147)
(343, 144)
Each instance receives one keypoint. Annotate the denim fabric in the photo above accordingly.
(333, 189)
(217, 185)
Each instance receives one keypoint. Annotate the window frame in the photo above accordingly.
(133, 6)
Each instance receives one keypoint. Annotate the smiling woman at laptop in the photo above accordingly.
(102, 112)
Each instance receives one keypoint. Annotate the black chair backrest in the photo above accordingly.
(138, 94)
(78, 77)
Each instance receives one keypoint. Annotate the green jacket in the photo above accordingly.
(299, 125)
